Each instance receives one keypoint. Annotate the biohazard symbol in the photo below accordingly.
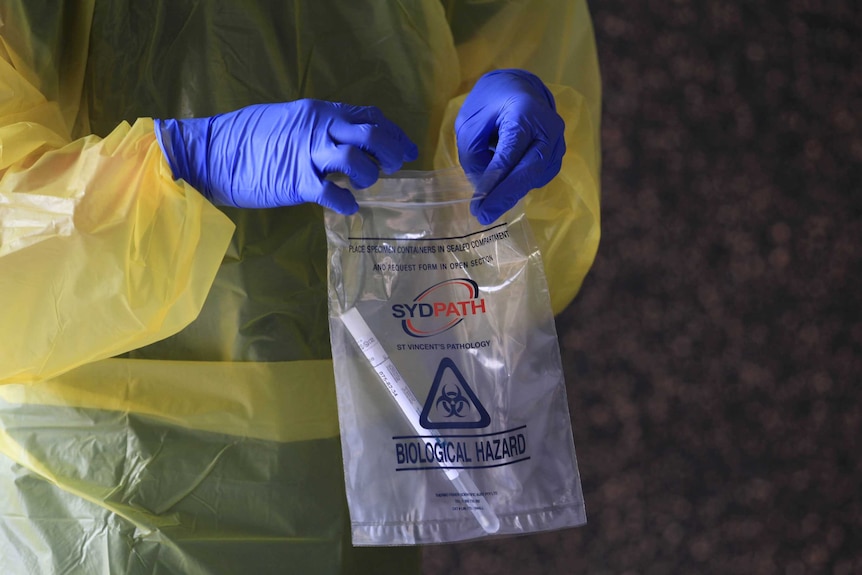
(452, 405)
(453, 402)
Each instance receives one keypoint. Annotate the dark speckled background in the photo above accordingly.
(714, 355)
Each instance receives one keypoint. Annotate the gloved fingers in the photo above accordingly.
(350, 161)
(539, 164)
(402, 142)
(369, 130)
(337, 198)
(554, 163)
(514, 140)
(363, 114)
(374, 141)
(475, 164)
(473, 134)
(516, 136)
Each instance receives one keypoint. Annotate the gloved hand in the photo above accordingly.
(271, 155)
(510, 140)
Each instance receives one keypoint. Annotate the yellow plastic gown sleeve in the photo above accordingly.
(101, 251)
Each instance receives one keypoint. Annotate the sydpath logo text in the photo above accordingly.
(440, 307)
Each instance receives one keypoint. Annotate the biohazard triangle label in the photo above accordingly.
(451, 403)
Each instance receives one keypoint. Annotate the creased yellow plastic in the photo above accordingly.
(102, 252)
(234, 398)
(127, 262)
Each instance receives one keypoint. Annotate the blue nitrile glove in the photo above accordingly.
(510, 140)
(271, 155)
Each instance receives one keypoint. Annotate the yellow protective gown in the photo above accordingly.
(166, 393)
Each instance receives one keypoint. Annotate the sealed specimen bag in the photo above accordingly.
(451, 399)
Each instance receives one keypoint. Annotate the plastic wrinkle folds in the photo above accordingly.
(29, 219)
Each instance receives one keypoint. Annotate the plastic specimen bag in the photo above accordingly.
(451, 399)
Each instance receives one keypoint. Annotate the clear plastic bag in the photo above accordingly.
(451, 399)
